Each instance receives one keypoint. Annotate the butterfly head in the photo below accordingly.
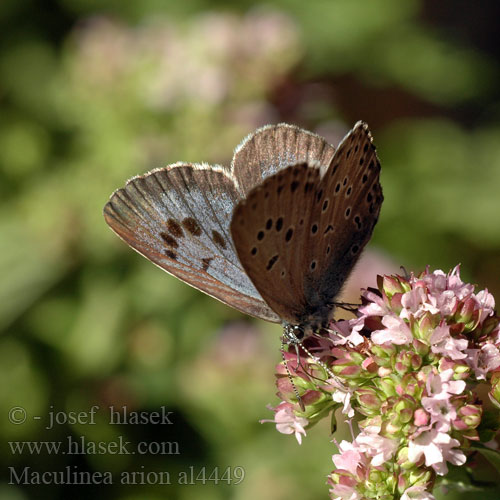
(295, 334)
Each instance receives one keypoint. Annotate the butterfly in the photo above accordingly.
(275, 235)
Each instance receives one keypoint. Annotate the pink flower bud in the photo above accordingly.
(420, 347)
(392, 285)
(400, 368)
(395, 303)
(425, 326)
(384, 372)
(348, 371)
(368, 399)
(465, 310)
(420, 417)
(387, 385)
(370, 365)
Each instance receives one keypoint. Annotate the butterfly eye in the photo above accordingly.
(298, 332)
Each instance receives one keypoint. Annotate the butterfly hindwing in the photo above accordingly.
(178, 217)
(274, 147)
(270, 229)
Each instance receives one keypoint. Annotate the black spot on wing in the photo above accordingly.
(170, 254)
(206, 263)
(169, 240)
(271, 262)
(174, 228)
(192, 226)
(218, 238)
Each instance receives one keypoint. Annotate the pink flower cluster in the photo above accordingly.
(409, 364)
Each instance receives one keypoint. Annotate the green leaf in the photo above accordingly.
(492, 456)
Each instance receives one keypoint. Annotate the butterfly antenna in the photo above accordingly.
(347, 306)
(297, 395)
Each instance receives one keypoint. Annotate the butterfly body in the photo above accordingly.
(274, 236)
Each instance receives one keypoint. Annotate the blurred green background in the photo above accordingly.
(94, 92)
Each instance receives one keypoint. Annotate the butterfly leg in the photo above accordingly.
(285, 342)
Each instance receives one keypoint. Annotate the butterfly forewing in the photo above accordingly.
(270, 229)
(178, 217)
(274, 147)
(346, 209)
